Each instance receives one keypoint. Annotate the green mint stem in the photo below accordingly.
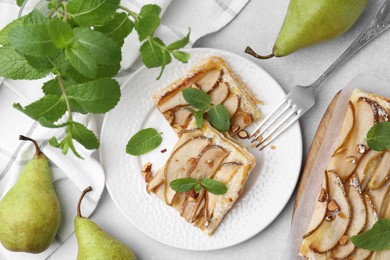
(133, 14)
(61, 83)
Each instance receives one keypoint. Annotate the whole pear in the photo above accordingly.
(311, 21)
(94, 243)
(30, 212)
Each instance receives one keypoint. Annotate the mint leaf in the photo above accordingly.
(166, 59)
(144, 141)
(180, 43)
(148, 20)
(35, 17)
(375, 239)
(14, 66)
(52, 87)
(117, 28)
(4, 32)
(46, 123)
(33, 40)
(83, 135)
(50, 107)
(98, 96)
(199, 118)
(213, 186)
(197, 98)
(181, 56)
(41, 64)
(151, 54)
(91, 12)
(183, 184)
(82, 60)
(197, 188)
(219, 117)
(378, 138)
(20, 2)
(102, 49)
(60, 33)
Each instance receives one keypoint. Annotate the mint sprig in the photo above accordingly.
(79, 43)
(217, 115)
(375, 239)
(378, 138)
(187, 184)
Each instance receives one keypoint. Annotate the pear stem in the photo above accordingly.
(25, 138)
(250, 51)
(81, 199)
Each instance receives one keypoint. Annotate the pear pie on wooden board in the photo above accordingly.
(213, 76)
(203, 153)
(355, 191)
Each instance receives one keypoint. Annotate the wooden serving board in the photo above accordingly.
(314, 148)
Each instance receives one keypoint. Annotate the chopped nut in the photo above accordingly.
(147, 167)
(210, 162)
(343, 240)
(148, 177)
(351, 159)
(333, 206)
(147, 172)
(323, 195)
(234, 128)
(330, 217)
(164, 150)
(243, 134)
(194, 85)
(230, 199)
(247, 119)
(361, 148)
(273, 147)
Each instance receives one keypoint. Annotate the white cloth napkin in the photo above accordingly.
(70, 174)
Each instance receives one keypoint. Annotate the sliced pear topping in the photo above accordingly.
(364, 119)
(227, 171)
(232, 103)
(210, 160)
(319, 208)
(182, 160)
(157, 180)
(171, 103)
(346, 129)
(364, 162)
(378, 196)
(240, 120)
(369, 169)
(182, 117)
(381, 173)
(358, 221)
(210, 80)
(328, 233)
(372, 217)
(219, 93)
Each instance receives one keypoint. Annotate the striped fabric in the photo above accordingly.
(70, 174)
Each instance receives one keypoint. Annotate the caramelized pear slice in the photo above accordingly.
(369, 169)
(239, 121)
(210, 80)
(381, 173)
(372, 217)
(328, 234)
(378, 196)
(344, 163)
(219, 93)
(174, 101)
(208, 163)
(358, 222)
(182, 117)
(320, 208)
(227, 171)
(181, 161)
(346, 129)
(231, 103)
(365, 162)
(157, 180)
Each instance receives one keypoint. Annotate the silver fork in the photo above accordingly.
(302, 98)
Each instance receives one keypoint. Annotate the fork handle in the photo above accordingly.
(376, 26)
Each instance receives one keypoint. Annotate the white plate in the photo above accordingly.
(266, 193)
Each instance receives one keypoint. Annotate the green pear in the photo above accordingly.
(94, 243)
(311, 21)
(30, 212)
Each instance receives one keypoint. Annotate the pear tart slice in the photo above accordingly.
(356, 184)
(213, 76)
(203, 153)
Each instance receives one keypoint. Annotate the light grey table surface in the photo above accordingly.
(257, 25)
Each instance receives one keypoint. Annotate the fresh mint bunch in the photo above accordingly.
(79, 44)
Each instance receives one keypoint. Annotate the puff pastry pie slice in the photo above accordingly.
(214, 77)
(356, 185)
(203, 153)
